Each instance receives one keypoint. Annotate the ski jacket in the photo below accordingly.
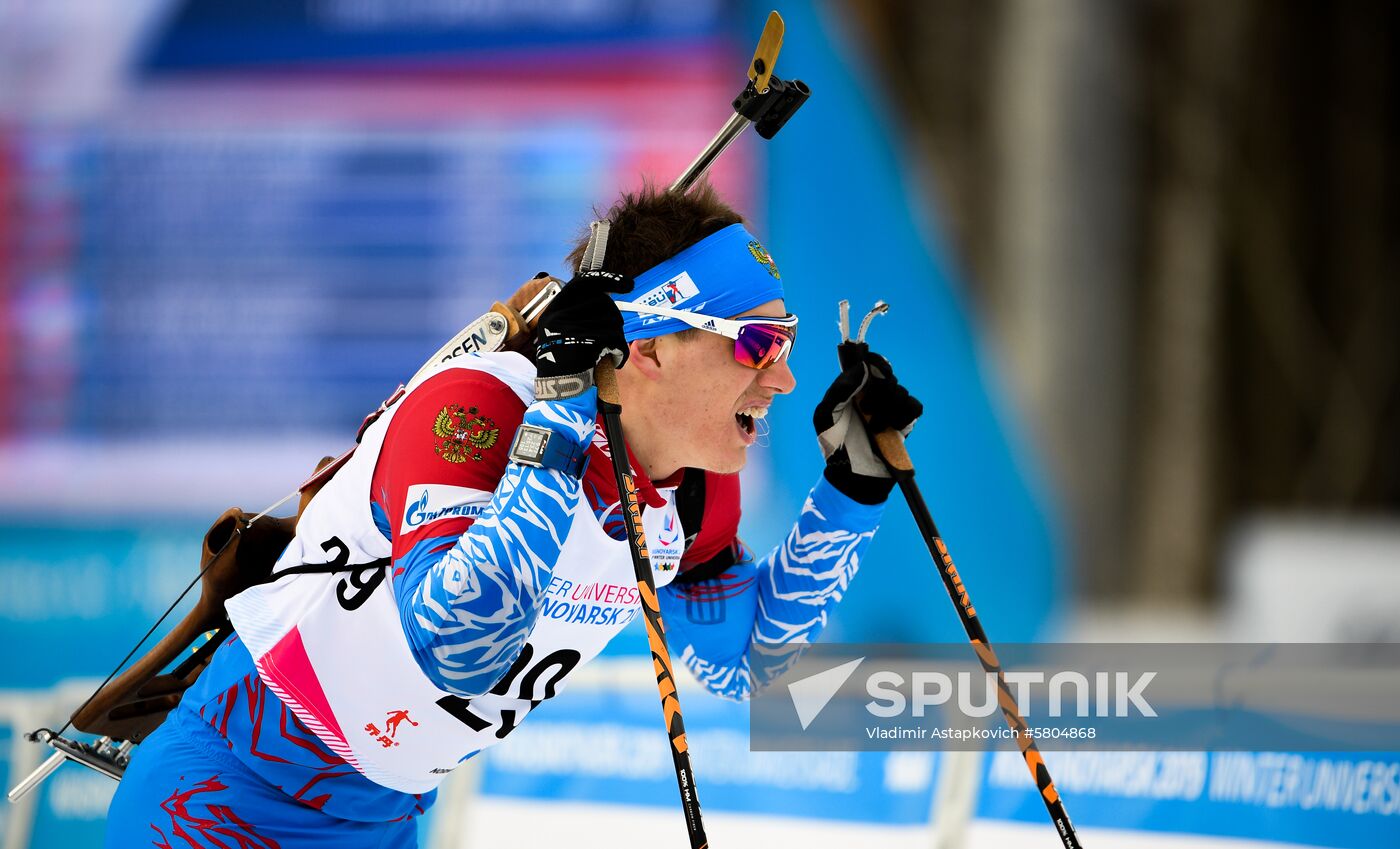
(333, 647)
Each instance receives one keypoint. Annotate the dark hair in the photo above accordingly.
(654, 224)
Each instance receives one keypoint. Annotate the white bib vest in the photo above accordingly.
(332, 647)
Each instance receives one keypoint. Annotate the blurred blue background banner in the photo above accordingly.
(76, 595)
(221, 34)
(1314, 799)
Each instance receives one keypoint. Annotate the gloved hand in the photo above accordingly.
(577, 330)
(866, 381)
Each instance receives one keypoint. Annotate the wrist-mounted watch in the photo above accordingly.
(545, 449)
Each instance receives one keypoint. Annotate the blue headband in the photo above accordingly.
(722, 275)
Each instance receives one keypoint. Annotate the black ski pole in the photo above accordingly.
(767, 102)
(889, 444)
(609, 406)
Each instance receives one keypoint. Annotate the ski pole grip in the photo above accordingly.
(605, 376)
(890, 444)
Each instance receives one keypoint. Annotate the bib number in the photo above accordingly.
(353, 591)
(538, 680)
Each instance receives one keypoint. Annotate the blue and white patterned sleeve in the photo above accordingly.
(763, 613)
(468, 578)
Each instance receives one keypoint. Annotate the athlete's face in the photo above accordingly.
(703, 403)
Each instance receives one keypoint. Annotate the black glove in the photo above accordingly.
(866, 382)
(578, 329)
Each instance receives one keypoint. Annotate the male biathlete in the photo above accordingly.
(480, 554)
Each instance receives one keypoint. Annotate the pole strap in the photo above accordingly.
(597, 247)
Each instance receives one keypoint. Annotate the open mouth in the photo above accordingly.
(747, 420)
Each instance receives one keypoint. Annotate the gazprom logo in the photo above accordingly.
(429, 502)
(677, 290)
